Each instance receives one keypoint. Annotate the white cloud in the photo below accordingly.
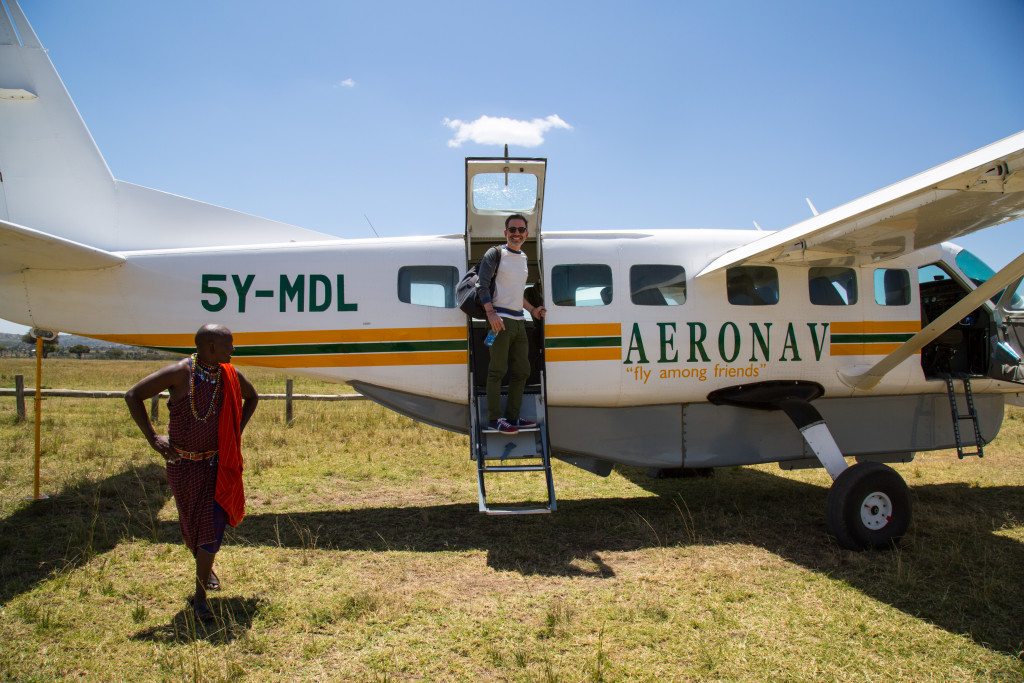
(347, 83)
(499, 130)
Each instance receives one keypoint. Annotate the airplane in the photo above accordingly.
(852, 339)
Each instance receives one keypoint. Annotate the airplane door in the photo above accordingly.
(496, 188)
(1008, 350)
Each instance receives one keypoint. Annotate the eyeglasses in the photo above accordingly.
(513, 229)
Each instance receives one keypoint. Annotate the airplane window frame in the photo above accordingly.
(879, 287)
(447, 277)
(753, 297)
(828, 273)
(655, 289)
(560, 294)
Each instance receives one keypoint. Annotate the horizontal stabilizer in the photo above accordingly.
(973, 192)
(22, 248)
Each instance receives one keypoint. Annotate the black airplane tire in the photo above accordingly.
(868, 507)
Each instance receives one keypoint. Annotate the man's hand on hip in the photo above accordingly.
(162, 445)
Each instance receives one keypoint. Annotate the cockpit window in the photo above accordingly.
(973, 267)
(976, 270)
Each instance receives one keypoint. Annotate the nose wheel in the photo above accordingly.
(868, 506)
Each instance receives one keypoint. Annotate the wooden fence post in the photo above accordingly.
(154, 408)
(288, 386)
(19, 396)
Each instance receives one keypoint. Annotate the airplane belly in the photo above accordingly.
(719, 436)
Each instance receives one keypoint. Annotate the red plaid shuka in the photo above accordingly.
(197, 484)
(193, 482)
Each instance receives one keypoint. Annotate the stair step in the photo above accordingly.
(517, 511)
(524, 447)
(514, 468)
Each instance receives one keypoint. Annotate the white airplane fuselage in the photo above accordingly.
(332, 310)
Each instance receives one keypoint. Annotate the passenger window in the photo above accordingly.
(581, 284)
(892, 287)
(832, 286)
(428, 285)
(752, 285)
(654, 285)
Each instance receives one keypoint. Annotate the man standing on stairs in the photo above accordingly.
(507, 267)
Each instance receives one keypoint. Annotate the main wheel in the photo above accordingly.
(868, 506)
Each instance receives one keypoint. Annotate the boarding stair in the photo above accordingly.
(958, 417)
(526, 451)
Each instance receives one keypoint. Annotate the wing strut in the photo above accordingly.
(869, 378)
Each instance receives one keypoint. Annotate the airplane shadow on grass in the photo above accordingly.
(954, 570)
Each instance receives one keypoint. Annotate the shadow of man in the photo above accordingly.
(82, 521)
(232, 618)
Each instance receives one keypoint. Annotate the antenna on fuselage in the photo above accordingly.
(811, 204)
(758, 226)
(371, 225)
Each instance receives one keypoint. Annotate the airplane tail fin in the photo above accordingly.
(53, 178)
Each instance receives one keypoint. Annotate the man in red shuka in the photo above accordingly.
(210, 404)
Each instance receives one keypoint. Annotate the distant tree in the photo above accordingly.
(79, 350)
(48, 346)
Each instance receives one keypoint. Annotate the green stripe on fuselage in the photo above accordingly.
(576, 342)
(349, 347)
(869, 338)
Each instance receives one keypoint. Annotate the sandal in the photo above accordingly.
(212, 583)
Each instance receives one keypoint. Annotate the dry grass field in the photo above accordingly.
(363, 558)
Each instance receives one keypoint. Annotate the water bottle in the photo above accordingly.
(491, 335)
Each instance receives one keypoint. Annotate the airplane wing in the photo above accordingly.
(22, 247)
(975, 191)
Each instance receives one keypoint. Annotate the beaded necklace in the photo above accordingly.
(208, 375)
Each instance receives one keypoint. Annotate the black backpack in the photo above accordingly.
(467, 292)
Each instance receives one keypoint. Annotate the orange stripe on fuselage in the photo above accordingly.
(356, 360)
(864, 349)
(869, 326)
(584, 330)
(600, 353)
(295, 336)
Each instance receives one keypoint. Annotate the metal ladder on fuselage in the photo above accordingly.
(528, 449)
(971, 414)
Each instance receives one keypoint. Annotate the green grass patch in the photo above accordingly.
(363, 558)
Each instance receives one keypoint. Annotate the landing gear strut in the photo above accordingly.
(868, 505)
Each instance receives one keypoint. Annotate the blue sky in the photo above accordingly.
(676, 114)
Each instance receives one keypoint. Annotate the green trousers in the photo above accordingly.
(511, 349)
